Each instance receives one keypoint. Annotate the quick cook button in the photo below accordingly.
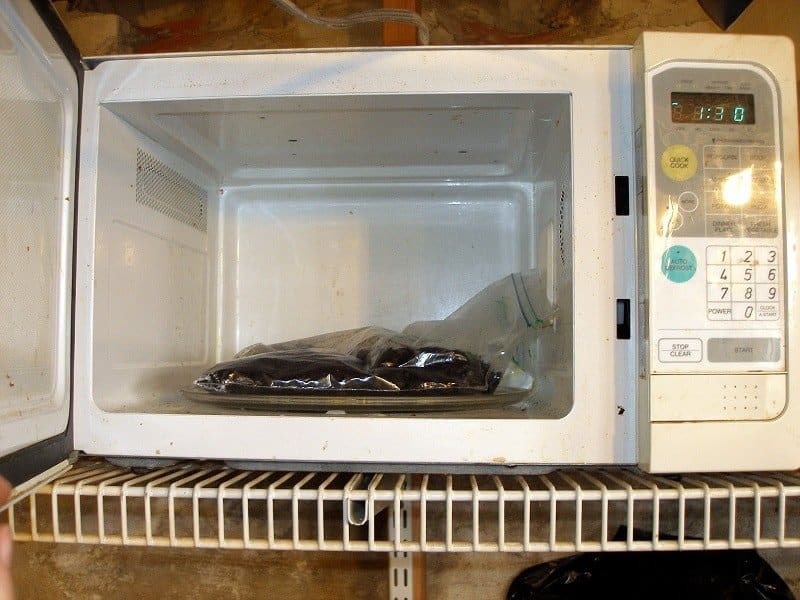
(678, 162)
(721, 350)
(680, 350)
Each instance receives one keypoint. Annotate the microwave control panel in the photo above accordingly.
(715, 215)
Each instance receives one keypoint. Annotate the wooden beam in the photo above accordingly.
(419, 572)
(400, 34)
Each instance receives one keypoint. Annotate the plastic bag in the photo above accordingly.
(720, 574)
(467, 352)
(499, 324)
(366, 360)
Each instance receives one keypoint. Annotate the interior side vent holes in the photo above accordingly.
(168, 192)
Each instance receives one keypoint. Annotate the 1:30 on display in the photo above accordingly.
(717, 113)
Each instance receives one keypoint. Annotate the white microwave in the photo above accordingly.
(158, 213)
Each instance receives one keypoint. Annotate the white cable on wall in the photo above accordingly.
(379, 15)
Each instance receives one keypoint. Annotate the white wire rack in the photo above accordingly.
(213, 506)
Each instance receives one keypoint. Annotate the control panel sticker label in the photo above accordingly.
(678, 264)
(716, 292)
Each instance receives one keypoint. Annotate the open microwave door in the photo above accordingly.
(39, 107)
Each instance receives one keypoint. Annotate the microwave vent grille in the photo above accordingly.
(168, 192)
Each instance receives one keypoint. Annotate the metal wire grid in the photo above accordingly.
(212, 506)
(168, 192)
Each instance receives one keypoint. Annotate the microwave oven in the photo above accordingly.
(158, 213)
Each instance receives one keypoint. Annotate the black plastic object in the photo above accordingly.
(622, 198)
(623, 319)
(724, 12)
(688, 575)
(369, 360)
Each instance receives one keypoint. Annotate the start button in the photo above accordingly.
(680, 350)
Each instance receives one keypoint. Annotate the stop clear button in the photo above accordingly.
(680, 350)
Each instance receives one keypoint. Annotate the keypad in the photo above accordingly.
(739, 191)
(742, 283)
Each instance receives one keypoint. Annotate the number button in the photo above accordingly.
(767, 293)
(742, 256)
(741, 292)
(767, 274)
(744, 312)
(718, 255)
(719, 274)
(718, 292)
(719, 288)
(766, 255)
(743, 274)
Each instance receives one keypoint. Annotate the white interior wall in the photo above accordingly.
(441, 211)
(153, 324)
(317, 258)
(553, 392)
(383, 137)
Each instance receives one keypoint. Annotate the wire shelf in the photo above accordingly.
(205, 505)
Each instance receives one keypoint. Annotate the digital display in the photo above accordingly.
(708, 108)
